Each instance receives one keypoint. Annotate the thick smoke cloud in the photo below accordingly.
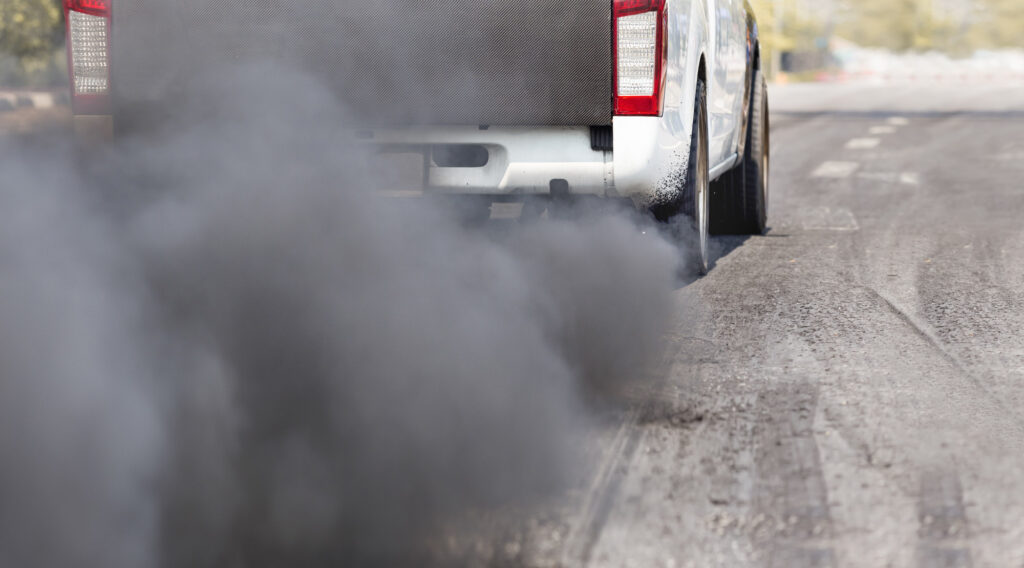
(81, 433)
(217, 348)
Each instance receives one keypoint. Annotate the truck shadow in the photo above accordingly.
(722, 246)
(719, 248)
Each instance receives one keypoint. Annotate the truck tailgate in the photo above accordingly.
(495, 62)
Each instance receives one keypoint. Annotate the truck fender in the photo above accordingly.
(696, 26)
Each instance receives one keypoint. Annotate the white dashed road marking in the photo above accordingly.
(876, 130)
(898, 121)
(863, 143)
(903, 178)
(1013, 156)
(910, 178)
(836, 170)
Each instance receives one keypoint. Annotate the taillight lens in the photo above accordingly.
(640, 57)
(94, 7)
(88, 31)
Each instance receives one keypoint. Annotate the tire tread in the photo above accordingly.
(738, 201)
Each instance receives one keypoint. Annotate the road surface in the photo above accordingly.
(847, 390)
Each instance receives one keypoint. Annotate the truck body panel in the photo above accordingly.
(514, 88)
(446, 62)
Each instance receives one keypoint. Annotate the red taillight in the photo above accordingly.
(639, 33)
(626, 7)
(88, 38)
(93, 7)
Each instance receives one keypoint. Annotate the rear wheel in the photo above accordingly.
(739, 200)
(697, 188)
(687, 214)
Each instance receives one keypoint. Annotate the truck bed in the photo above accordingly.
(458, 62)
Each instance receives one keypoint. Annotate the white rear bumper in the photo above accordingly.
(647, 159)
(530, 161)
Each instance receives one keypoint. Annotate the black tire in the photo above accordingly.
(739, 200)
(687, 214)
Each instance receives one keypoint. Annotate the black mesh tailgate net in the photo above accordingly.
(423, 61)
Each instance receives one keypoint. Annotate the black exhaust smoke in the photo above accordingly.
(219, 349)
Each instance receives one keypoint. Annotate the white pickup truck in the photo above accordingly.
(661, 102)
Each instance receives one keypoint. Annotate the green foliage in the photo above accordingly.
(998, 23)
(31, 33)
(906, 25)
(951, 26)
(787, 26)
(30, 28)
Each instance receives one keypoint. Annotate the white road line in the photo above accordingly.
(904, 178)
(910, 178)
(1009, 157)
(876, 130)
(884, 177)
(863, 143)
(836, 170)
(898, 121)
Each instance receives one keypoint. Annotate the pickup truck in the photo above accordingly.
(661, 103)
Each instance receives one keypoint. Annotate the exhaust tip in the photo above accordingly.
(559, 188)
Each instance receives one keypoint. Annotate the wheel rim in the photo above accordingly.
(765, 158)
(702, 204)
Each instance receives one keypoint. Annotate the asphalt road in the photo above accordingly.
(847, 390)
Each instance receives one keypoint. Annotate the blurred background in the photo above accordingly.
(804, 40)
(885, 40)
(31, 44)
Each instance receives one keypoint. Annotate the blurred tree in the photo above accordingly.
(957, 27)
(30, 32)
(30, 28)
(787, 26)
(899, 25)
(997, 24)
